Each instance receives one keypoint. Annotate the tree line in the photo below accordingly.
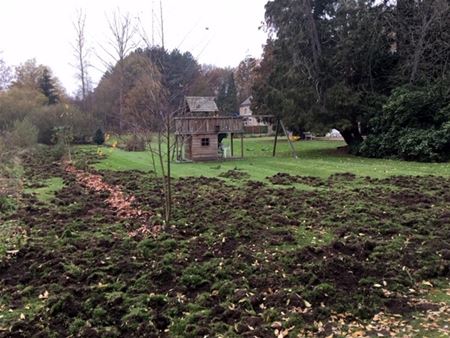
(155, 79)
(378, 71)
(141, 81)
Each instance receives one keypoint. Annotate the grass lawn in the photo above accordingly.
(47, 189)
(315, 158)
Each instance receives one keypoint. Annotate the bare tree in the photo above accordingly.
(157, 120)
(5, 75)
(153, 120)
(421, 27)
(120, 44)
(81, 54)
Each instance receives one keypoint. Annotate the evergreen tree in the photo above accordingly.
(334, 63)
(48, 87)
(99, 137)
(328, 65)
(227, 101)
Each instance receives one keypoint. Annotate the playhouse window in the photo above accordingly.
(205, 142)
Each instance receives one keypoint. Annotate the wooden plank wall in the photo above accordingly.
(202, 153)
(196, 125)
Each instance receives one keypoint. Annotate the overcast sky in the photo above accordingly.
(220, 32)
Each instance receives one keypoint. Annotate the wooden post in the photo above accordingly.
(232, 145)
(276, 138)
(294, 154)
(242, 145)
(175, 149)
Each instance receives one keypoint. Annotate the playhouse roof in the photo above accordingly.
(201, 104)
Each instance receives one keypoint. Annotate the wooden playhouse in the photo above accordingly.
(200, 130)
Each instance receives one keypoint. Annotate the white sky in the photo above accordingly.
(43, 29)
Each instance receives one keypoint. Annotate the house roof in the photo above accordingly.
(247, 102)
(201, 104)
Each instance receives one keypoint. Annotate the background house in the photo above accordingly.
(253, 124)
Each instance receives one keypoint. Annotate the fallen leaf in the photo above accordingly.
(44, 295)
(276, 325)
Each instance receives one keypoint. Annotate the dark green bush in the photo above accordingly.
(99, 137)
(414, 126)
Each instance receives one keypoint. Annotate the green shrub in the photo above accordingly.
(414, 126)
(50, 118)
(24, 134)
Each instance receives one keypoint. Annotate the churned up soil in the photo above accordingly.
(353, 256)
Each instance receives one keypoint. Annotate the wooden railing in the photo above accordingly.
(192, 125)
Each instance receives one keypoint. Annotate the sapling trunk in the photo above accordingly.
(169, 190)
(153, 160)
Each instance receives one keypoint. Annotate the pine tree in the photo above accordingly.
(47, 86)
(227, 97)
(99, 137)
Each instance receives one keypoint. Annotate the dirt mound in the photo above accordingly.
(287, 179)
(235, 174)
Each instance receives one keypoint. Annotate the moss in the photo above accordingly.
(147, 247)
(7, 205)
(271, 315)
(190, 325)
(193, 280)
(13, 236)
(115, 297)
(225, 288)
(157, 300)
(135, 317)
(99, 315)
(169, 244)
(169, 258)
(76, 326)
(73, 270)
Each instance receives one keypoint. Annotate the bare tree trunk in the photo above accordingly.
(169, 183)
(121, 103)
(163, 173)
(316, 47)
(153, 159)
(418, 51)
(352, 136)
(120, 45)
(162, 24)
(81, 53)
